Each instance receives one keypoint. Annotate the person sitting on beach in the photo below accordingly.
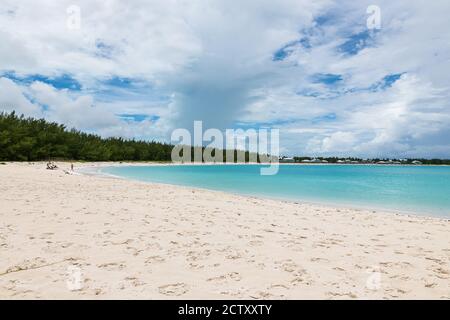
(51, 166)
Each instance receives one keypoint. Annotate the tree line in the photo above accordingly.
(30, 139)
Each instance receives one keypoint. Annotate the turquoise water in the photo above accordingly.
(421, 189)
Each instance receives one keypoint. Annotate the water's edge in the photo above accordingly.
(99, 170)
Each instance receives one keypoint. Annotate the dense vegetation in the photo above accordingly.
(29, 139)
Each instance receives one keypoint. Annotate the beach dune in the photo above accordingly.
(80, 237)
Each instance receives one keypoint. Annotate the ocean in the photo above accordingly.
(415, 189)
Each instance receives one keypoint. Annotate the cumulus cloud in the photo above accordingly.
(13, 99)
(75, 111)
(310, 68)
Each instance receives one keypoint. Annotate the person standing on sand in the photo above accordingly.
(71, 166)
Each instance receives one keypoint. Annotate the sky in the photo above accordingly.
(332, 83)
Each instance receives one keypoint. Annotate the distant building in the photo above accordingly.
(286, 159)
(416, 162)
(314, 161)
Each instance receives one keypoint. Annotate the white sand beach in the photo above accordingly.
(90, 237)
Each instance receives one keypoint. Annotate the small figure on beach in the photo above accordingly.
(51, 166)
(71, 166)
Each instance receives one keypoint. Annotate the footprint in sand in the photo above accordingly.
(256, 243)
(224, 278)
(339, 295)
(319, 259)
(154, 259)
(198, 255)
(112, 266)
(287, 265)
(134, 281)
(442, 273)
(176, 289)
(261, 295)
(430, 285)
(300, 276)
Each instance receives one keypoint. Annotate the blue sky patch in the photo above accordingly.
(63, 81)
(328, 117)
(118, 88)
(326, 78)
(389, 80)
(258, 125)
(386, 82)
(337, 91)
(325, 19)
(356, 42)
(282, 53)
(132, 117)
(287, 49)
(120, 82)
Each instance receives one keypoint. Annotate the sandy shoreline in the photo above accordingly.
(111, 238)
(94, 169)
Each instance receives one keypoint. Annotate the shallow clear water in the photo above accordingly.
(421, 189)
